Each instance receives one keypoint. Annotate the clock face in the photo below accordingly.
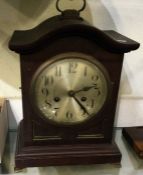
(70, 89)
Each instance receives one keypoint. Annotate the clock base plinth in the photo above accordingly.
(134, 136)
(68, 154)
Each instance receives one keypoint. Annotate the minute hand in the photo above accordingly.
(81, 105)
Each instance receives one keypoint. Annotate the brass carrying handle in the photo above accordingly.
(82, 8)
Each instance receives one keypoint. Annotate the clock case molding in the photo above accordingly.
(40, 143)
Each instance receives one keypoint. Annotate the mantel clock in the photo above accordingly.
(70, 74)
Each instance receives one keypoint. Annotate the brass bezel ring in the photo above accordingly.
(80, 10)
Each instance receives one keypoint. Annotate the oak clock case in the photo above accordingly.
(70, 74)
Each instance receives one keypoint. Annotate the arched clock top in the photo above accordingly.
(69, 23)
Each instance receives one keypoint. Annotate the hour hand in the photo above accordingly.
(87, 88)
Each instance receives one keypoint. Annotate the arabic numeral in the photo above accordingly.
(48, 80)
(85, 71)
(73, 67)
(58, 71)
(95, 78)
(92, 103)
(69, 115)
(45, 91)
(98, 93)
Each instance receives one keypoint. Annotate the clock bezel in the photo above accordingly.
(63, 56)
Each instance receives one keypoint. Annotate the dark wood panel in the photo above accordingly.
(72, 154)
(134, 137)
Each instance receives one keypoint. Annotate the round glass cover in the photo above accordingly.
(70, 89)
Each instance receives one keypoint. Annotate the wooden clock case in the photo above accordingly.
(134, 136)
(40, 143)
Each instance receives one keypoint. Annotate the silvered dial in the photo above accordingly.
(70, 89)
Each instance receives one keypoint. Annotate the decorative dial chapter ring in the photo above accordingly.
(70, 89)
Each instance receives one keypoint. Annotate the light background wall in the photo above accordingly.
(124, 16)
